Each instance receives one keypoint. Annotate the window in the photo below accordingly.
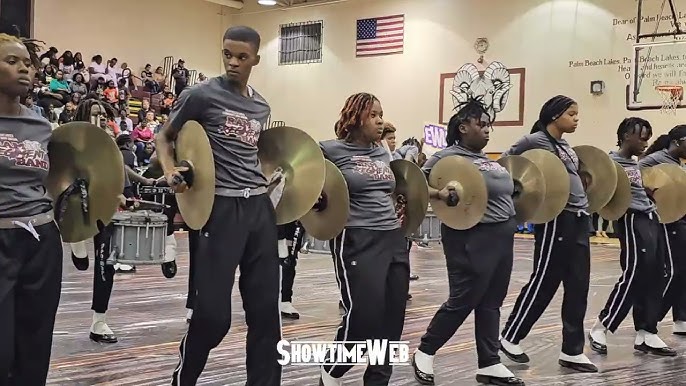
(300, 43)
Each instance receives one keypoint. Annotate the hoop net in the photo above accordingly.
(671, 97)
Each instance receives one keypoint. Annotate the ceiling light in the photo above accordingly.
(266, 2)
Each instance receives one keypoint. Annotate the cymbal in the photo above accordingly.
(327, 223)
(668, 188)
(556, 184)
(193, 147)
(599, 173)
(470, 187)
(411, 188)
(529, 185)
(301, 161)
(621, 199)
(80, 151)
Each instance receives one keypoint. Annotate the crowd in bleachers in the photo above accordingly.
(141, 104)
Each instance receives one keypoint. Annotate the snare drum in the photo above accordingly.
(138, 238)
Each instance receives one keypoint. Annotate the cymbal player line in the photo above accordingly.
(236, 181)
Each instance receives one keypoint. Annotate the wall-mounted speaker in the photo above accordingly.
(17, 12)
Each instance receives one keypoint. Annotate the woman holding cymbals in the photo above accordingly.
(477, 283)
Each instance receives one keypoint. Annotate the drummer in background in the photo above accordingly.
(30, 242)
(562, 251)
(92, 110)
(641, 257)
(241, 230)
(371, 260)
(290, 241)
(670, 149)
(479, 259)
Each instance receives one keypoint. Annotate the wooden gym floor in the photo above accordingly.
(148, 315)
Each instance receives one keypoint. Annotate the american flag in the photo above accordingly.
(380, 36)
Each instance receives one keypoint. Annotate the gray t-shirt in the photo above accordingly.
(657, 158)
(578, 201)
(24, 165)
(370, 183)
(405, 151)
(639, 198)
(498, 182)
(233, 124)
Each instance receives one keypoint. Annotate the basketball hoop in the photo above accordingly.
(672, 96)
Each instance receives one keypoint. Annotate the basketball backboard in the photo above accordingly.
(659, 53)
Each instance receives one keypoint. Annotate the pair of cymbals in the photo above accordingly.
(621, 198)
(599, 174)
(412, 189)
(328, 220)
(82, 153)
(668, 183)
(299, 158)
(529, 186)
(465, 178)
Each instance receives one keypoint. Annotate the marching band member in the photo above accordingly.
(93, 110)
(30, 242)
(290, 241)
(641, 257)
(561, 249)
(241, 229)
(370, 256)
(479, 259)
(670, 149)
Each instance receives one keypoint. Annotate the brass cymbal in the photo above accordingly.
(411, 188)
(328, 223)
(621, 199)
(301, 161)
(599, 173)
(556, 184)
(193, 147)
(80, 151)
(529, 185)
(668, 184)
(470, 187)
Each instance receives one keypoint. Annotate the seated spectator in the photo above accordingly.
(67, 64)
(46, 75)
(111, 93)
(67, 115)
(78, 62)
(75, 99)
(51, 114)
(51, 56)
(166, 104)
(112, 128)
(100, 87)
(145, 108)
(78, 85)
(149, 81)
(59, 85)
(97, 69)
(143, 133)
(201, 77)
(123, 119)
(144, 153)
(151, 121)
(28, 102)
(126, 145)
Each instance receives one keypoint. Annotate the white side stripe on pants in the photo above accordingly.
(542, 267)
(348, 312)
(630, 270)
(669, 262)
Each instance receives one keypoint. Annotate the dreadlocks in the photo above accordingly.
(631, 126)
(11, 34)
(474, 108)
(83, 110)
(357, 107)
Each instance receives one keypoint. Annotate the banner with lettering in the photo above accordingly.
(434, 138)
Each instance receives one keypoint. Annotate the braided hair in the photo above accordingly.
(662, 142)
(83, 110)
(631, 126)
(10, 33)
(550, 112)
(356, 109)
(473, 108)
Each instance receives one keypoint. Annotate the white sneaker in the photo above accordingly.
(170, 248)
(288, 311)
(327, 380)
(100, 331)
(424, 362)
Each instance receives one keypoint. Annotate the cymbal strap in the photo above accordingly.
(79, 186)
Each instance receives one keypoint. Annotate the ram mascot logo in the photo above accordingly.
(492, 88)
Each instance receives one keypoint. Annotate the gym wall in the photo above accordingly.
(135, 31)
(562, 45)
